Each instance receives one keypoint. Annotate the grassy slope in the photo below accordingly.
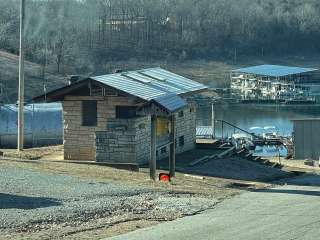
(216, 73)
(212, 73)
(33, 83)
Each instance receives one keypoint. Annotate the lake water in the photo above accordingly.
(246, 116)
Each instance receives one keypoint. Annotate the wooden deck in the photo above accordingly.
(206, 141)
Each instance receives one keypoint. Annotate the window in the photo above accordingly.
(126, 112)
(181, 114)
(181, 141)
(89, 113)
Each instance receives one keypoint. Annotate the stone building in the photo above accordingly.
(127, 117)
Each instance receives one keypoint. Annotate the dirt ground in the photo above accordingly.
(183, 187)
(212, 187)
(71, 201)
(43, 153)
(295, 165)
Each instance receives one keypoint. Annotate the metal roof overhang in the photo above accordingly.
(170, 102)
(58, 94)
(274, 70)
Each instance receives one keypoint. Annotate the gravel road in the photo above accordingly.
(31, 200)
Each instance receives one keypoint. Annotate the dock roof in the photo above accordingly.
(274, 70)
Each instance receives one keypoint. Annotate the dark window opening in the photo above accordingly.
(163, 150)
(181, 114)
(126, 112)
(181, 141)
(89, 113)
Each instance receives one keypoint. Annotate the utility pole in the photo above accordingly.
(21, 78)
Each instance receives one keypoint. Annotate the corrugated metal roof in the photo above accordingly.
(149, 84)
(204, 131)
(172, 102)
(274, 70)
(130, 86)
(153, 84)
(172, 80)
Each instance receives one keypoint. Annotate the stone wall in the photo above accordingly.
(186, 128)
(79, 141)
(129, 140)
(125, 141)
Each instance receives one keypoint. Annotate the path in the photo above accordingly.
(282, 213)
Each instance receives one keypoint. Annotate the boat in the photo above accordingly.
(242, 140)
(270, 132)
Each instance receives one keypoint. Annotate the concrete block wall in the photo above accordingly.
(79, 141)
(125, 141)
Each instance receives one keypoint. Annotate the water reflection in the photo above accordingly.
(247, 116)
(270, 151)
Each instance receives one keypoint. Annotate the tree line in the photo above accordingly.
(82, 35)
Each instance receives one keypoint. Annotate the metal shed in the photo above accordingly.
(306, 137)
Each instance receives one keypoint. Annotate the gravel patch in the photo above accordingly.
(31, 200)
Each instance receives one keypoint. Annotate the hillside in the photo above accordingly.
(9, 76)
(211, 73)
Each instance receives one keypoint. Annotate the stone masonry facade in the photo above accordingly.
(185, 132)
(79, 141)
(118, 140)
(125, 141)
(129, 140)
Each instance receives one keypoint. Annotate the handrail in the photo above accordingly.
(243, 130)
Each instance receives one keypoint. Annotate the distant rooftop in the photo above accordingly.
(274, 70)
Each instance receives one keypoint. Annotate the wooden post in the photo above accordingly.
(153, 155)
(213, 122)
(222, 133)
(172, 156)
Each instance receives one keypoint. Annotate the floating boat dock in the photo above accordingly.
(206, 138)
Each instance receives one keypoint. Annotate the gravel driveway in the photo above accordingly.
(29, 199)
